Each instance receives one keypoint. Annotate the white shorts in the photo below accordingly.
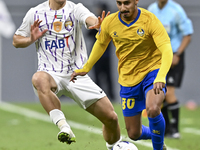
(84, 91)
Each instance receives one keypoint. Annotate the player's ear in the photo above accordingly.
(136, 2)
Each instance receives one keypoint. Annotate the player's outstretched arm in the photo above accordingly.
(21, 41)
(97, 51)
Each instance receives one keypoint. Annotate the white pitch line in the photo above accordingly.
(192, 130)
(40, 116)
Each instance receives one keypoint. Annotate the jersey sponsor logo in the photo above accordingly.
(53, 44)
(57, 26)
(140, 31)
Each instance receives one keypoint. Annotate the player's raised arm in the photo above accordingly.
(95, 23)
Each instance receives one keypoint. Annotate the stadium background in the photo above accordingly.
(18, 65)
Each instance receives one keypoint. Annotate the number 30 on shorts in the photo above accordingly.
(128, 103)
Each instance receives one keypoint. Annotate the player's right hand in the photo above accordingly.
(35, 31)
(157, 87)
(74, 74)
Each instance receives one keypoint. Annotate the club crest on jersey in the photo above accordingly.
(57, 26)
(115, 34)
(68, 23)
(140, 31)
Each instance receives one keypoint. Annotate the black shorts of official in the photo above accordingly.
(175, 74)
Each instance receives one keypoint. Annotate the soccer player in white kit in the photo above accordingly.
(55, 27)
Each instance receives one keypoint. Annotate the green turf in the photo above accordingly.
(18, 132)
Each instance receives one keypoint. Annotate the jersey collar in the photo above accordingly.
(128, 25)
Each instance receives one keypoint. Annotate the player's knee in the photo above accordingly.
(112, 120)
(35, 79)
(133, 134)
(153, 111)
(38, 79)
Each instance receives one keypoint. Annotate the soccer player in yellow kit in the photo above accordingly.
(145, 56)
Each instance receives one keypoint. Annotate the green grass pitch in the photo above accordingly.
(25, 130)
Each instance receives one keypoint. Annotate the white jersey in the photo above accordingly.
(62, 49)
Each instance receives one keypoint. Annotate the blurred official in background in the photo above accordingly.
(179, 28)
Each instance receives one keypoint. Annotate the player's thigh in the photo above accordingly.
(84, 91)
(103, 110)
(154, 99)
(154, 103)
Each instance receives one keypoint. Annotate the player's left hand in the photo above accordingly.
(100, 19)
(175, 60)
(74, 74)
(158, 86)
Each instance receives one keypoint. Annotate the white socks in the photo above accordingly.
(109, 146)
(58, 118)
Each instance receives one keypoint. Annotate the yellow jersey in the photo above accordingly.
(136, 44)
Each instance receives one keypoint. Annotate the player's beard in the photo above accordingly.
(125, 14)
